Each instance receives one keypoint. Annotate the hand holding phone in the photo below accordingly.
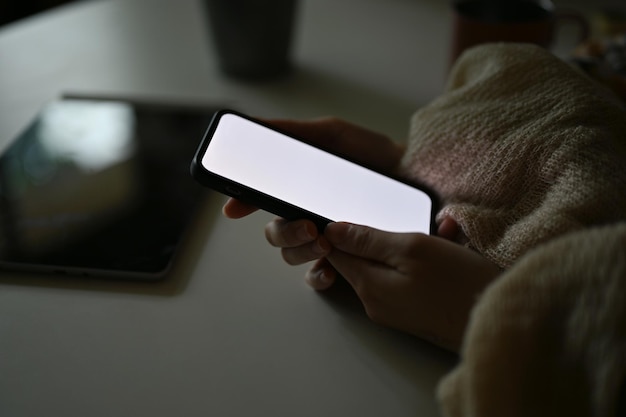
(264, 167)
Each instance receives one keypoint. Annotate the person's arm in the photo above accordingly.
(548, 338)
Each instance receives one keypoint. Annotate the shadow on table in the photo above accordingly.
(418, 361)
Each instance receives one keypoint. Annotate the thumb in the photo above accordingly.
(361, 241)
(357, 255)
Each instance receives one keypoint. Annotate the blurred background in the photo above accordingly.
(347, 62)
(11, 11)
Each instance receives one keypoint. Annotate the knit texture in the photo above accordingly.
(528, 156)
(549, 337)
(521, 148)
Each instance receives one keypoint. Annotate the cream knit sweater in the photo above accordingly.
(521, 148)
(529, 156)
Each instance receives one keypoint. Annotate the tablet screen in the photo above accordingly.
(99, 187)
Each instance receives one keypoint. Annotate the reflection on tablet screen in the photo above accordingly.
(99, 187)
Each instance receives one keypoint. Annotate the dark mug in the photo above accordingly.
(252, 38)
(526, 21)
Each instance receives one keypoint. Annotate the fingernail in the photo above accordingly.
(319, 276)
(337, 232)
(313, 277)
(323, 277)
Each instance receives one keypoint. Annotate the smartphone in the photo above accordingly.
(260, 165)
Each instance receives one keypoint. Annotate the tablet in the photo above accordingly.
(100, 187)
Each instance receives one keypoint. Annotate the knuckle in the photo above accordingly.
(362, 239)
(416, 243)
(281, 233)
(335, 125)
(271, 233)
(289, 257)
(375, 316)
(331, 120)
(369, 300)
(339, 126)
(297, 255)
(374, 313)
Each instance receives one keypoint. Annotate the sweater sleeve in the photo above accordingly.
(521, 148)
(549, 337)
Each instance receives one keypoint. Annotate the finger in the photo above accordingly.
(283, 233)
(365, 242)
(321, 276)
(448, 228)
(236, 209)
(307, 252)
(362, 274)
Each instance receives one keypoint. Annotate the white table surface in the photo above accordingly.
(232, 331)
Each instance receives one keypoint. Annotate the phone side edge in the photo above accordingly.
(241, 192)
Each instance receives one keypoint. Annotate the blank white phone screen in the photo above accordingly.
(309, 178)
